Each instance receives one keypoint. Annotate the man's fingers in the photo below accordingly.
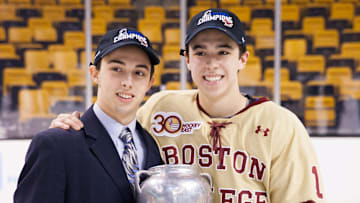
(76, 114)
(74, 122)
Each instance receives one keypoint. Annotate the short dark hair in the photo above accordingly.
(98, 66)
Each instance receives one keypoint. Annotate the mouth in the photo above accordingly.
(125, 96)
(213, 78)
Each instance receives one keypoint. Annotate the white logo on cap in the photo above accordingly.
(208, 16)
(124, 34)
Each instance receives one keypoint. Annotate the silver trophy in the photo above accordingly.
(173, 184)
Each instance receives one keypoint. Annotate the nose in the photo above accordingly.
(212, 62)
(126, 81)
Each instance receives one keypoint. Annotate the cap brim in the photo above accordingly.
(154, 60)
(205, 27)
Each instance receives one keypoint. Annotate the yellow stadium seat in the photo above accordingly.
(312, 24)
(351, 49)
(16, 77)
(243, 12)
(356, 23)
(251, 74)
(323, 1)
(350, 89)
(64, 61)
(69, 2)
(326, 39)
(250, 48)
(338, 75)
(320, 111)
(311, 64)
(152, 29)
(300, 2)
(119, 2)
(154, 12)
(55, 89)
(104, 12)
(45, 2)
(20, 35)
(75, 39)
(265, 40)
(2, 34)
(290, 13)
(172, 36)
(171, 53)
(261, 25)
(19, 2)
(294, 48)
(98, 26)
(8, 51)
(269, 75)
(54, 13)
(252, 2)
(83, 63)
(46, 34)
(209, 3)
(197, 9)
(8, 12)
(39, 23)
(229, 3)
(76, 77)
(342, 11)
(36, 61)
(291, 90)
(33, 103)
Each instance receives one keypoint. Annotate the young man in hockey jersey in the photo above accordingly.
(255, 150)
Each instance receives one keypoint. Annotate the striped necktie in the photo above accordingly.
(129, 157)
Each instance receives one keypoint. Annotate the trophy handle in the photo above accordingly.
(208, 178)
(137, 179)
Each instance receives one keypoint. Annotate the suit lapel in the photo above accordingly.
(104, 150)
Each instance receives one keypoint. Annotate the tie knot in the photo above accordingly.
(125, 135)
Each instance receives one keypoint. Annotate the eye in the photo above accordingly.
(223, 52)
(140, 73)
(200, 53)
(116, 69)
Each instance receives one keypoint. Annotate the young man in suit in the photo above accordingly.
(97, 163)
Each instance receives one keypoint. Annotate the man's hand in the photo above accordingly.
(65, 121)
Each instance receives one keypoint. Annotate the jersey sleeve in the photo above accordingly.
(42, 178)
(295, 173)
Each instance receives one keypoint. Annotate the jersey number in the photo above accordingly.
(314, 171)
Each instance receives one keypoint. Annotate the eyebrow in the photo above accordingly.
(123, 63)
(197, 46)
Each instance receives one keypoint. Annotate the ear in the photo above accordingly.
(94, 74)
(243, 59)
(151, 82)
(187, 60)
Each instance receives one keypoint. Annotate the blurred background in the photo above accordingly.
(44, 58)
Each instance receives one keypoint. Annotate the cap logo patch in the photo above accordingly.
(216, 16)
(124, 34)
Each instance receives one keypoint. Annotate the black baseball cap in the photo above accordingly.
(220, 19)
(116, 38)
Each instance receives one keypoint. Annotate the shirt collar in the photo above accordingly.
(112, 126)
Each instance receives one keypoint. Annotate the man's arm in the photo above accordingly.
(42, 179)
(67, 121)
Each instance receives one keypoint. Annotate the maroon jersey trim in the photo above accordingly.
(252, 103)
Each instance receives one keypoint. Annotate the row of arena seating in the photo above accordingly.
(43, 76)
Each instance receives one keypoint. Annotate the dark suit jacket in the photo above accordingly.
(78, 166)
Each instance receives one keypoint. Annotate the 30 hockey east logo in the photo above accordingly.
(213, 16)
(171, 124)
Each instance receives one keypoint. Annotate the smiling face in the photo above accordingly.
(214, 60)
(123, 80)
